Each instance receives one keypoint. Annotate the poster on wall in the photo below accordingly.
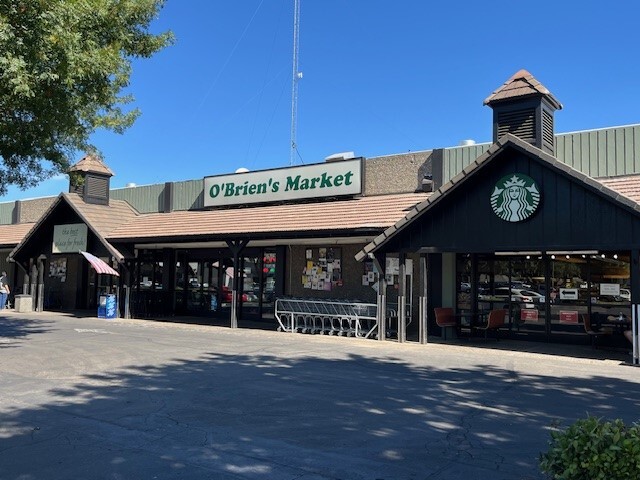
(322, 269)
(58, 269)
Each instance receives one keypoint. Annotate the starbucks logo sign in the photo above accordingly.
(515, 197)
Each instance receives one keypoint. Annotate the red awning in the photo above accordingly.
(100, 266)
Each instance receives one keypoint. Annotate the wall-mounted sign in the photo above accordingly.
(69, 238)
(568, 294)
(515, 197)
(529, 315)
(569, 317)
(310, 181)
(612, 289)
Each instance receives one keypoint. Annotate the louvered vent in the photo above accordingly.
(520, 123)
(96, 189)
(547, 130)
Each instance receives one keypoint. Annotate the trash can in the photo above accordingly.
(107, 306)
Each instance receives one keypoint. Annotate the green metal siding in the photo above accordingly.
(597, 153)
(6, 213)
(145, 199)
(188, 195)
(456, 158)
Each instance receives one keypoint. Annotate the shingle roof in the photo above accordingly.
(104, 218)
(91, 163)
(101, 219)
(628, 185)
(11, 235)
(375, 212)
(521, 84)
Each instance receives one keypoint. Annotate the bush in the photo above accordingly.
(593, 449)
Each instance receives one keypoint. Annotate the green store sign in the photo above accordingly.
(295, 183)
(515, 197)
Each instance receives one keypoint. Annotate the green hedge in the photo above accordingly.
(593, 449)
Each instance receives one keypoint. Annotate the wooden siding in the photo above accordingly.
(571, 216)
(145, 199)
(598, 153)
(188, 195)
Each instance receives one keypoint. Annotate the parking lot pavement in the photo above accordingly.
(88, 398)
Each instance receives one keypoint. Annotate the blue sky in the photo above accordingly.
(379, 78)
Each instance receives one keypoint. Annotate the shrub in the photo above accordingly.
(593, 449)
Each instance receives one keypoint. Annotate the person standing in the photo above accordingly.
(4, 290)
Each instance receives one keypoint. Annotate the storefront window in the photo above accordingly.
(610, 292)
(569, 296)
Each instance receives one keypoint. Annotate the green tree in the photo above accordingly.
(63, 67)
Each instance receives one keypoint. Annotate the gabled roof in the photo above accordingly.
(521, 84)
(100, 219)
(271, 221)
(507, 141)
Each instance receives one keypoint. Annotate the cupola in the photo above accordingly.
(90, 178)
(523, 107)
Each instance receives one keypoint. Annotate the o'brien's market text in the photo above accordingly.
(292, 183)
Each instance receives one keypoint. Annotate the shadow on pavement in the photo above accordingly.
(13, 330)
(264, 417)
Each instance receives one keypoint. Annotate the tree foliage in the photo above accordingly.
(63, 67)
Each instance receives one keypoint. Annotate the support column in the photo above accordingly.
(40, 301)
(635, 306)
(402, 300)
(34, 286)
(236, 247)
(424, 303)
(380, 263)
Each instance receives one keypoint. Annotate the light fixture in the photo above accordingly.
(603, 255)
(615, 255)
(528, 257)
(567, 256)
(553, 257)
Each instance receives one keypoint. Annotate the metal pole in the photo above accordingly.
(296, 76)
(635, 332)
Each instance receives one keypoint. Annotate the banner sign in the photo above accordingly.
(69, 238)
(310, 181)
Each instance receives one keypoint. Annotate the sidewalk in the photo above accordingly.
(132, 399)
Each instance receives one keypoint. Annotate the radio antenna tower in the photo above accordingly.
(295, 79)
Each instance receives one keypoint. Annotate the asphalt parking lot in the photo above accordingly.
(88, 398)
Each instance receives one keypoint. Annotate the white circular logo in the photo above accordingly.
(515, 197)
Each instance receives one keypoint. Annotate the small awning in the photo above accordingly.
(99, 265)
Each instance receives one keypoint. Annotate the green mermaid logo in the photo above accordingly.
(515, 198)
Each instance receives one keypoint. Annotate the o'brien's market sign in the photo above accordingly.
(69, 238)
(310, 181)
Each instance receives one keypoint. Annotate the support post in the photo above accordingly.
(402, 300)
(34, 283)
(635, 333)
(379, 261)
(236, 247)
(424, 304)
(40, 302)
